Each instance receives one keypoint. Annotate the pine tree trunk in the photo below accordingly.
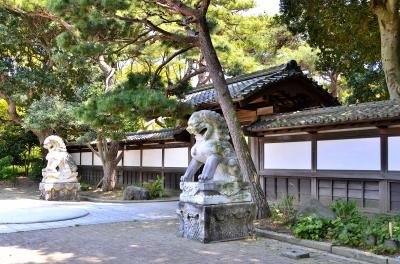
(225, 100)
(110, 175)
(388, 19)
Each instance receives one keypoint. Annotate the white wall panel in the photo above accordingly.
(86, 158)
(152, 158)
(287, 155)
(394, 153)
(349, 154)
(97, 161)
(76, 157)
(132, 157)
(176, 157)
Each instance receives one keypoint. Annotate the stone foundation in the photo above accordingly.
(60, 191)
(212, 223)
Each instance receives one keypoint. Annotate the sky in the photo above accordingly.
(271, 7)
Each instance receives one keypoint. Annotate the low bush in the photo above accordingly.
(311, 227)
(7, 170)
(36, 170)
(349, 226)
(156, 187)
(284, 213)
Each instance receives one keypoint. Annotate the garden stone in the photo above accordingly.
(370, 240)
(136, 193)
(391, 244)
(315, 207)
(219, 206)
(60, 182)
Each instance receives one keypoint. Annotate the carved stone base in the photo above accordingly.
(60, 191)
(211, 223)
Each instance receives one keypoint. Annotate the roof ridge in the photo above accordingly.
(290, 65)
(152, 131)
(335, 108)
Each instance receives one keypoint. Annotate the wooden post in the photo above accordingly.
(162, 163)
(141, 165)
(314, 166)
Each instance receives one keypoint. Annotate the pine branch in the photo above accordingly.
(162, 65)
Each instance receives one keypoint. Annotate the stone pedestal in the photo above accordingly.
(59, 191)
(218, 222)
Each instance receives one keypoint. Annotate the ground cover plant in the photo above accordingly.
(379, 233)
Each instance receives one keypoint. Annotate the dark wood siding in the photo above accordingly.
(133, 175)
(277, 188)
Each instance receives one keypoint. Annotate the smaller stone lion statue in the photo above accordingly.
(212, 148)
(60, 165)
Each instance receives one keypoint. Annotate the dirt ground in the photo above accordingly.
(24, 188)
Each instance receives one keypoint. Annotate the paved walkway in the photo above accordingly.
(97, 213)
(142, 242)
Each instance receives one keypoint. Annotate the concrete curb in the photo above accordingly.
(328, 247)
(95, 200)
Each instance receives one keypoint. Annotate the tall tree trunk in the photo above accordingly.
(387, 12)
(110, 175)
(108, 154)
(248, 169)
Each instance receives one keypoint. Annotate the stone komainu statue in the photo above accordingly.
(212, 148)
(60, 165)
(219, 206)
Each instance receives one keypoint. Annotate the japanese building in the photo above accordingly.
(303, 142)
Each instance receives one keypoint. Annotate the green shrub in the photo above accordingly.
(85, 186)
(349, 226)
(284, 212)
(156, 187)
(36, 170)
(7, 170)
(311, 227)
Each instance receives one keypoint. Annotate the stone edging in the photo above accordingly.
(96, 200)
(328, 247)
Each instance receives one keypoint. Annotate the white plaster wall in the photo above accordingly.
(287, 155)
(394, 153)
(349, 154)
(86, 158)
(176, 157)
(152, 158)
(132, 157)
(76, 157)
(97, 161)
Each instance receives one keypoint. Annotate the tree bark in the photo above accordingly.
(108, 154)
(248, 169)
(110, 175)
(387, 12)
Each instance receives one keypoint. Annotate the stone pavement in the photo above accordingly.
(97, 213)
(142, 242)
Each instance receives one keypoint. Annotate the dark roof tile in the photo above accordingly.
(372, 111)
(245, 85)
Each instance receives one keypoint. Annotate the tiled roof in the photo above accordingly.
(246, 85)
(365, 112)
(154, 135)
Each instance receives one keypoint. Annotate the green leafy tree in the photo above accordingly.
(115, 112)
(349, 35)
(32, 68)
(182, 24)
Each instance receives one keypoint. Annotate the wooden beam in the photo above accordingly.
(268, 110)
